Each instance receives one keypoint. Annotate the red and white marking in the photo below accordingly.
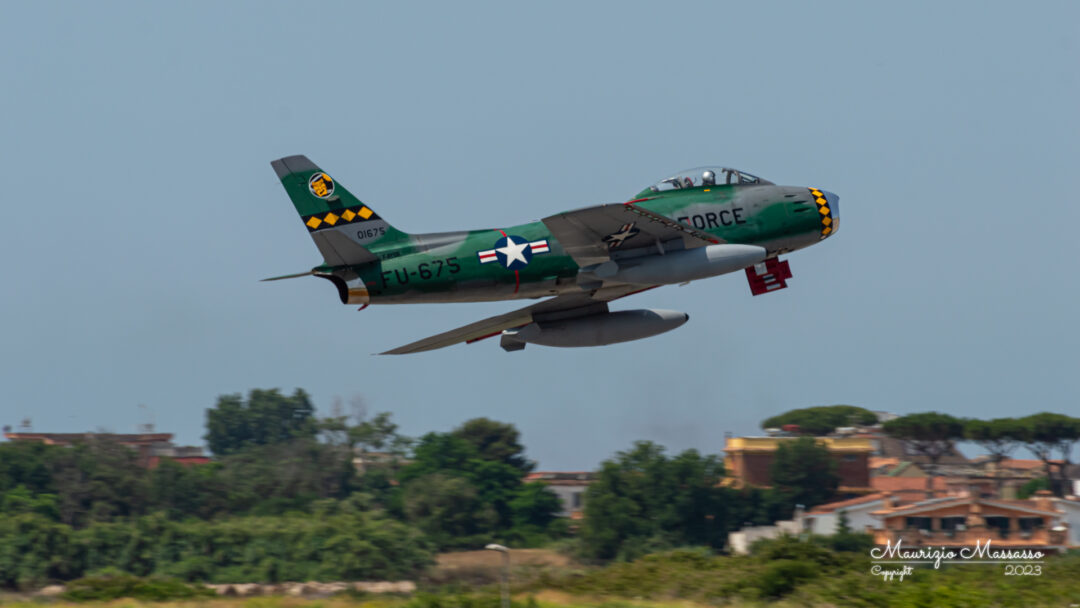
(768, 276)
(539, 246)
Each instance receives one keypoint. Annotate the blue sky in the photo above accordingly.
(142, 210)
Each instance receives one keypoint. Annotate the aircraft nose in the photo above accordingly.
(829, 210)
(834, 208)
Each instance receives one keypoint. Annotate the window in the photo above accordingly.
(952, 523)
(919, 523)
(1030, 523)
(576, 499)
(1001, 524)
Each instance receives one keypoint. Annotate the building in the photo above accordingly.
(825, 519)
(905, 490)
(740, 542)
(1070, 509)
(961, 521)
(882, 465)
(365, 461)
(980, 476)
(185, 455)
(568, 486)
(151, 447)
(749, 460)
(890, 447)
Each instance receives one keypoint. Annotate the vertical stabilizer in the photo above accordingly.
(343, 227)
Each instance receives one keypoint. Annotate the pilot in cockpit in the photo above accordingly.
(708, 178)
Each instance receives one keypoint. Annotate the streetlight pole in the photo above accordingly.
(505, 572)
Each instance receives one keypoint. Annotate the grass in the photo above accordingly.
(784, 574)
(548, 599)
(464, 569)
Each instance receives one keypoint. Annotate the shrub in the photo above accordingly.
(783, 576)
(155, 589)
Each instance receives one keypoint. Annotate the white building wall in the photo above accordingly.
(739, 542)
(827, 524)
(571, 497)
(1071, 516)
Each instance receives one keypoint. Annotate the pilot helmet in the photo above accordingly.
(708, 177)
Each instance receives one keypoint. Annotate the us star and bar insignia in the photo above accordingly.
(513, 252)
(617, 238)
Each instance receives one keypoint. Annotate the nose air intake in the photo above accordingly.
(828, 210)
(834, 208)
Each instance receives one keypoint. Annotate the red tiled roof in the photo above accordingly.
(851, 502)
(562, 478)
(898, 484)
(883, 461)
(65, 438)
(945, 503)
(1016, 463)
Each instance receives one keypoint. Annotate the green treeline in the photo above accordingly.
(290, 496)
(645, 501)
(345, 544)
(293, 497)
(284, 500)
(1048, 436)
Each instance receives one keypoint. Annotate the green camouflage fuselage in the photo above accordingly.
(447, 267)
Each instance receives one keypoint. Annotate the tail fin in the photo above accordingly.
(342, 227)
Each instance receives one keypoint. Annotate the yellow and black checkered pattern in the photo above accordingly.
(823, 211)
(341, 216)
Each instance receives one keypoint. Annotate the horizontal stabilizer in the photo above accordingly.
(339, 250)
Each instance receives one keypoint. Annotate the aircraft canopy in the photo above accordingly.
(695, 178)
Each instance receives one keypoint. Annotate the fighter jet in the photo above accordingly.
(695, 224)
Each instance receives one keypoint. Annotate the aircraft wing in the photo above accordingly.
(567, 306)
(592, 234)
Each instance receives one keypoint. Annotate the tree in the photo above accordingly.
(1046, 432)
(1031, 486)
(999, 437)
(822, 419)
(930, 434)
(534, 506)
(98, 480)
(377, 434)
(276, 478)
(486, 453)
(804, 471)
(439, 452)
(266, 417)
(178, 490)
(22, 500)
(497, 441)
(26, 463)
(450, 511)
(642, 499)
